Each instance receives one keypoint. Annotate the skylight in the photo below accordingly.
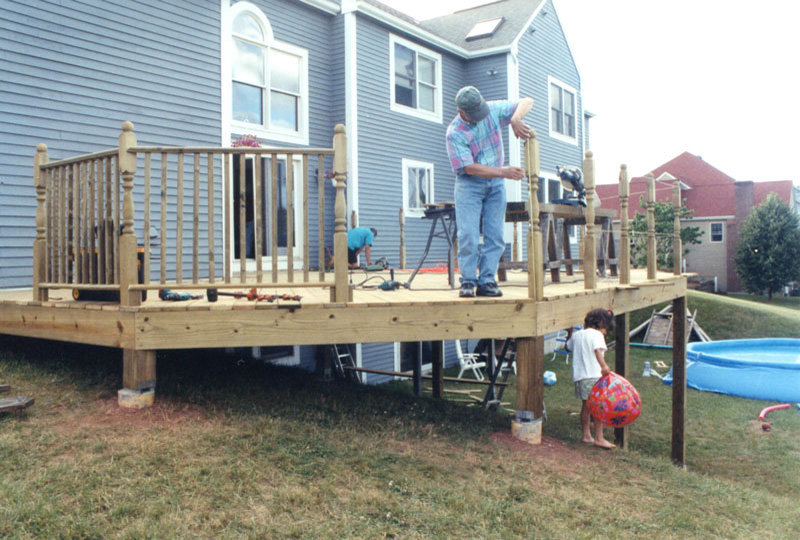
(484, 29)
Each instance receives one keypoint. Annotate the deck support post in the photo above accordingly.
(417, 369)
(621, 362)
(652, 253)
(535, 262)
(437, 372)
(679, 382)
(677, 253)
(138, 379)
(530, 389)
(40, 263)
(624, 229)
(128, 274)
(590, 242)
(341, 291)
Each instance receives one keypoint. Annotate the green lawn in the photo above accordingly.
(239, 450)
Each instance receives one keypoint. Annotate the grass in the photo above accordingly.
(238, 450)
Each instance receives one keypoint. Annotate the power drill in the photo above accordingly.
(172, 296)
(390, 285)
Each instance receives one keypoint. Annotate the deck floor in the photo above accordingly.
(426, 289)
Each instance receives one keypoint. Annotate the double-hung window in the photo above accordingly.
(417, 186)
(269, 94)
(716, 232)
(563, 111)
(416, 80)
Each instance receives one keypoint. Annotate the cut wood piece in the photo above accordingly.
(15, 403)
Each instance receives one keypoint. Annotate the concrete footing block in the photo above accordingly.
(525, 428)
(136, 399)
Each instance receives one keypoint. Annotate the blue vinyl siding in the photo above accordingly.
(380, 170)
(74, 71)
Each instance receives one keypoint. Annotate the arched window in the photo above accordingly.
(269, 94)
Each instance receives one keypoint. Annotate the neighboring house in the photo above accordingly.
(719, 204)
(204, 73)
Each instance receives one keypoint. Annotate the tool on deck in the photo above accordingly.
(172, 296)
(251, 295)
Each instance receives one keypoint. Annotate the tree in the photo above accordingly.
(665, 230)
(768, 254)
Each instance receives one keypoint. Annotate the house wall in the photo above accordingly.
(73, 72)
(709, 258)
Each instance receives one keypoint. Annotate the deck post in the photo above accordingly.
(651, 227)
(590, 242)
(535, 263)
(138, 379)
(341, 290)
(530, 389)
(40, 242)
(127, 243)
(677, 253)
(679, 382)
(437, 373)
(624, 228)
(621, 362)
(402, 239)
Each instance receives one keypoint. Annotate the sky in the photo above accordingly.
(717, 78)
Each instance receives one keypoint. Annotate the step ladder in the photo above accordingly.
(504, 365)
(342, 359)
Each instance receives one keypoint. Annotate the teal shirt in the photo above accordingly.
(359, 237)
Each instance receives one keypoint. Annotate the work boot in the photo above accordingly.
(489, 289)
(467, 290)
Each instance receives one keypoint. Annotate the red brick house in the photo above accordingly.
(720, 204)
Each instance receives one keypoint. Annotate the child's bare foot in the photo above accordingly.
(602, 443)
(588, 440)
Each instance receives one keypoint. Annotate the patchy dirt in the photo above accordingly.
(553, 451)
(106, 413)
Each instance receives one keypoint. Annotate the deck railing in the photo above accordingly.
(86, 218)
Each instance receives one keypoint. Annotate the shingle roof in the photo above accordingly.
(456, 26)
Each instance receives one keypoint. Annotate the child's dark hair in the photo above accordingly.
(599, 318)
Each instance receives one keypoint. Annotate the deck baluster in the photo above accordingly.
(290, 217)
(321, 215)
(535, 262)
(40, 263)
(624, 232)
(306, 222)
(258, 214)
(677, 254)
(651, 227)
(127, 243)
(210, 202)
(242, 217)
(196, 220)
(163, 262)
(341, 290)
(148, 163)
(590, 242)
(179, 223)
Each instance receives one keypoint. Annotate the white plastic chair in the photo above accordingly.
(467, 361)
(561, 346)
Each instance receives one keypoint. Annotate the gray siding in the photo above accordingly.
(386, 137)
(74, 71)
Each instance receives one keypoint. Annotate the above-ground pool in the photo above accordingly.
(752, 368)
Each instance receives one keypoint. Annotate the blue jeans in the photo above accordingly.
(475, 198)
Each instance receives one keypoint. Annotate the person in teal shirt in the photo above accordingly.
(357, 239)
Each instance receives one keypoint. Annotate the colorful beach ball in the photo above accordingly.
(614, 401)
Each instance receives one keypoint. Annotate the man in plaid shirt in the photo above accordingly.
(475, 148)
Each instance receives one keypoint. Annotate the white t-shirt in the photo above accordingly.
(583, 343)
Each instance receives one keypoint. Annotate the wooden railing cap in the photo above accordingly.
(127, 125)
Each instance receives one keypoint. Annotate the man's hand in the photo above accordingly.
(521, 129)
(513, 173)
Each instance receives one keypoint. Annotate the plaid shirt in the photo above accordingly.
(480, 143)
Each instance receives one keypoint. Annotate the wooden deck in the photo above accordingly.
(430, 310)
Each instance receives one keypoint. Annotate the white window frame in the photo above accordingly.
(412, 163)
(436, 115)
(564, 87)
(711, 232)
(265, 130)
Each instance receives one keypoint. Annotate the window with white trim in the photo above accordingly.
(416, 80)
(269, 79)
(563, 111)
(417, 186)
(717, 234)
